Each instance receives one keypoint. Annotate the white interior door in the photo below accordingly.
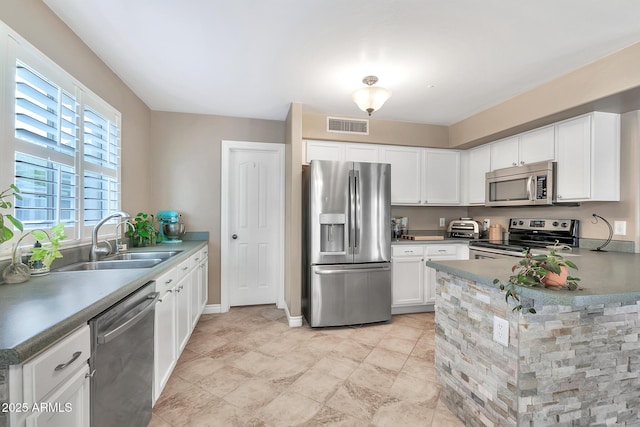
(252, 224)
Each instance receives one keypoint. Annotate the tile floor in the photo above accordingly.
(247, 367)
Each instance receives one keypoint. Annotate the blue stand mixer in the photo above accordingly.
(170, 227)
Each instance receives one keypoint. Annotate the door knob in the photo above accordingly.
(234, 236)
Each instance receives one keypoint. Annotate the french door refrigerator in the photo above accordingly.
(346, 243)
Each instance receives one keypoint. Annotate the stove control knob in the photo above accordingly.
(514, 223)
(555, 223)
(520, 222)
(564, 225)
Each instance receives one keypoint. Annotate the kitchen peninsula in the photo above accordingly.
(575, 362)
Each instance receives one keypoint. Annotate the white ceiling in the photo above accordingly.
(251, 58)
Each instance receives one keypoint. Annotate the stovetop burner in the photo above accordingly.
(526, 233)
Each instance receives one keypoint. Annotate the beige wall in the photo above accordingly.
(293, 214)
(609, 84)
(185, 158)
(380, 132)
(37, 24)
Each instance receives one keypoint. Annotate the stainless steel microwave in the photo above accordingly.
(532, 184)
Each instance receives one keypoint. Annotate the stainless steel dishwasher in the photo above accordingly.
(121, 361)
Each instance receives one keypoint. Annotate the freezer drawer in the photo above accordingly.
(349, 294)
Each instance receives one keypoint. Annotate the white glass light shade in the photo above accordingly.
(371, 98)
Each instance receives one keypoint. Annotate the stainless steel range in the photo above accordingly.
(526, 234)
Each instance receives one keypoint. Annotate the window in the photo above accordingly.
(66, 145)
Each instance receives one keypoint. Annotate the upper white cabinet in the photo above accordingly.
(441, 177)
(324, 150)
(406, 168)
(362, 153)
(479, 163)
(530, 147)
(588, 167)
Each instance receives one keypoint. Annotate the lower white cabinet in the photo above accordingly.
(52, 389)
(413, 284)
(183, 294)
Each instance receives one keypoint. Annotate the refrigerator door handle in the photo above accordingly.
(352, 270)
(352, 212)
(356, 210)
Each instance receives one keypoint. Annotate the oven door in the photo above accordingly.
(491, 253)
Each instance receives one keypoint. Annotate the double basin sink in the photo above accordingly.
(126, 260)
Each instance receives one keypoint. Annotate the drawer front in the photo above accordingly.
(52, 367)
(436, 250)
(195, 259)
(402, 250)
(167, 281)
(184, 267)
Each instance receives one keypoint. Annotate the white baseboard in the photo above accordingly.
(294, 321)
(212, 309)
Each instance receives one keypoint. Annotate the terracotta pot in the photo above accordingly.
(556, 280)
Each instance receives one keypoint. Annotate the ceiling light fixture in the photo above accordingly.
(371, 98)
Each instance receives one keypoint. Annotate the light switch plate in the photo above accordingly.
(501, 331)
(486, 223)
(441, 222)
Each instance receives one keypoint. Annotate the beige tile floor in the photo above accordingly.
(247, 367)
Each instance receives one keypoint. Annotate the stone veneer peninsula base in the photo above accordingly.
(566, 365)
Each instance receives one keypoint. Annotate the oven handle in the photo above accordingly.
(150, 301)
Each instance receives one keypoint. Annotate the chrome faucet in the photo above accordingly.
(128, 223)
(95, 249)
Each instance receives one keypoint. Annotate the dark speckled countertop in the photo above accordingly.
(606, 277)
(35, 314)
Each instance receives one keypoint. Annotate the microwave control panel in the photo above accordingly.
(541, 187)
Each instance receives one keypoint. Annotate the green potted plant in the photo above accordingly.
(143, 232)
(42, 255)
(544, 270)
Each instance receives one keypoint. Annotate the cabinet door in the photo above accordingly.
(479, 165)
(362, 153)
(407, 282)
(204, 284)
(71, 400)
(324, 150)
(194, 281)
(406, 165)
(441, 177)
(573, 177)
(504, 153)
(165, 342)
(430, 283)
(537, 145)
(183, 312)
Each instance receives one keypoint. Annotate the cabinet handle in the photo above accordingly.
(61, 366)
(514, 164)
(168, 281)
(197, 259)
(184, 268)
(90, 375)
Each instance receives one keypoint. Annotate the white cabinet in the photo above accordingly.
(530, 147)
(406, 168)
(440, 177)
(183, 296)
(413, 284)
(165, 349)
(56, 378)
(183, 304)
(406, 275)
(588, 164)
(367, 153)
(443, 252)
(479, 163)
(324, 150)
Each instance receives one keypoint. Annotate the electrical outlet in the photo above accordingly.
(487, 223)
(620, 228)
(441, 222)
(501, 331)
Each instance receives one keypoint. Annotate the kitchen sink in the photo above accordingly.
(163, 255)
(115, 264)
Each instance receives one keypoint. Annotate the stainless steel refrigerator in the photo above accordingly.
(346, 243)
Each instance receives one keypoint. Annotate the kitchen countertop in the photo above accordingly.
(606, 277)
(35, 314)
